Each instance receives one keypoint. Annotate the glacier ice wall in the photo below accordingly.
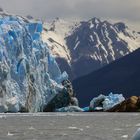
(29, 74)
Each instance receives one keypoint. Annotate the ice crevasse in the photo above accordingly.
(29, 74)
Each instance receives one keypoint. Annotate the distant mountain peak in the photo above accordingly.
(95, 20)
(90, 44)
(120, 26)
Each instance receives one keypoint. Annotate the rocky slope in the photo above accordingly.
(121, 76)
(81, 47)
(29, 75)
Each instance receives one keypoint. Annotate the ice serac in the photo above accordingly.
(29, 75)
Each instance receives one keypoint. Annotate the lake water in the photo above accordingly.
(69, 126)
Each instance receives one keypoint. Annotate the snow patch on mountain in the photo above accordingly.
(89, 45)
(55, 33)
(133, 41)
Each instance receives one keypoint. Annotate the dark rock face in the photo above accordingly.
(120, 26)
(63, 99)
(95, 44)
(60, 100)
(130, 105)
(63, 65)
(121, 76)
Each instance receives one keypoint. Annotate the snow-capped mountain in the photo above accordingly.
(81, 47)
(55, 33)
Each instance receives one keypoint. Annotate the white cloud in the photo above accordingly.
(48, 9)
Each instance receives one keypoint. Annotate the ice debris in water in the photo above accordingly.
(106, 102)
(124, 136)
(137, 135)
(29, 74)
(70, 109)
(86, 109)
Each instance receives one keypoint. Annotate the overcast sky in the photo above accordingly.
(125, 10)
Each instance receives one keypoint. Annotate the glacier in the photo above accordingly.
(29, 75)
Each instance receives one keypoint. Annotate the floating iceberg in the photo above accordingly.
(86, 109)
(29, 74)
(103, 102)
(137, 135)
(111, 100)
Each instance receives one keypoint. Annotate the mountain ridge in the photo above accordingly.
(121, 76)
(89, 45)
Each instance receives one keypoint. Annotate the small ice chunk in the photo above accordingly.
(87, 126)
(86, 109)
(70, 109)
(118, 129)
(72, 127)
(64, 134)
(2, 117)
(81, 129)
(75, 128)
(31, 128)
(10, 134)
(124, 136)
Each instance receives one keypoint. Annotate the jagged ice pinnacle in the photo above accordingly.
(29, 74)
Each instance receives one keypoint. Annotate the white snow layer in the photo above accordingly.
(58, 30)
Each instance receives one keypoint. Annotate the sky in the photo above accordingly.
(114, 10)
